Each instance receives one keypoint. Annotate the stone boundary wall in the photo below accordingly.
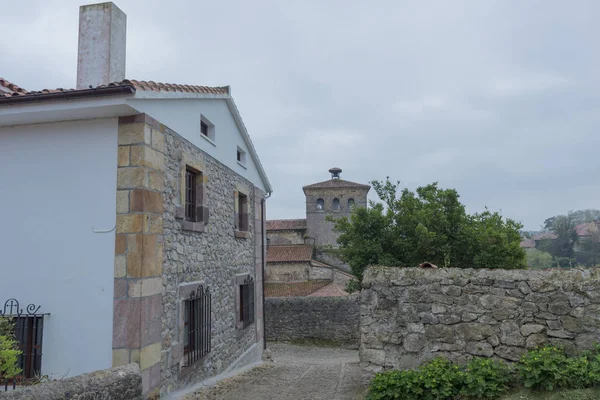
(328, 319)
(121, 383)
(409, 315)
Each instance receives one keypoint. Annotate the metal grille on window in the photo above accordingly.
(197, 335)
(247, 302)
(190, 195)
(29, 332)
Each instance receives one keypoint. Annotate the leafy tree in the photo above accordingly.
(589, 250)
(429, 224)
(537, 259)
(578, 217)
(564, 228)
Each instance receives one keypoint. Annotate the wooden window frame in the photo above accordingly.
(241, 214)
(245, 301)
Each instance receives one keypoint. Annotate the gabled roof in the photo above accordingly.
(286, 224)
(293, 253)
(10, 88)
(587, 228)
(130, 86)
(336, 183)
(527, 243)
(544, 235)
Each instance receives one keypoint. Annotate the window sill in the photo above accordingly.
(241, 234)
(240, 326)
(242, 165)
(209, 140)
(193, 226)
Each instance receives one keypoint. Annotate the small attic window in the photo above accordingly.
(207, 129)
(336, 204)
(320, 204)
(241, 157)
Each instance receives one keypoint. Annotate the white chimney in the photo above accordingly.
(102, 43)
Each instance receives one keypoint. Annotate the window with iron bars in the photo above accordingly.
(27, 328)
(246, 311)
(197, 325)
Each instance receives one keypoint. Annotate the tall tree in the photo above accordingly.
(430, 224)
(566, 236)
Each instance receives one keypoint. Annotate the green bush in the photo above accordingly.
(440, 379)
(353, 286)
(485, 378)
(396, 385)
(549, 367)
(541, 368)
(9, 351)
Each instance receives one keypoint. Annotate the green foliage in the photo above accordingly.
(353, 286)
(485, 378)
(578, 217)
(438, 379)
(6, 326)
(9, 351)
(589, 250)
(396, 385)
(8, 357)
(537, 259)
(441, 379)
(429, 224)
(548, 368)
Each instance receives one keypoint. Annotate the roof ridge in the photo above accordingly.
(337, 182)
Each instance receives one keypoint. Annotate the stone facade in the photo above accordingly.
(286, 237)
(409, 315)
(329, 319)
(318, 228)
(216, 256)
(160, 257)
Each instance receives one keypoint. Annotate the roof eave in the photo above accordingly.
(240, 124)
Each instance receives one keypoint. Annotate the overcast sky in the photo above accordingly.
(498, 99)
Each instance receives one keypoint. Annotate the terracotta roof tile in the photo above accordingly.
(138, 85)
(173, 87)
(61, 90)
(294, 253)
(544, 235)
(335, 183)
(14, 89)
(286, 224)
(527, 243)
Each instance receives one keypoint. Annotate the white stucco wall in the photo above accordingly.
(183, 116)
(57, 181)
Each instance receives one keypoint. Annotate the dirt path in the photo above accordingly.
(297, 373)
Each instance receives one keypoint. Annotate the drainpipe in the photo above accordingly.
(262, 257)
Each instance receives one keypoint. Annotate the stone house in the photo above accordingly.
(299, 250)
(136, 213)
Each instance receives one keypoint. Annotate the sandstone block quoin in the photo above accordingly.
(411, 315)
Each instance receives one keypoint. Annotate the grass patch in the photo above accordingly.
(580, 394)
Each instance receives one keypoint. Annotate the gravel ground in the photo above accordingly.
(298, 372)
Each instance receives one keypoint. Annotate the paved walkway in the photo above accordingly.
(297, 373)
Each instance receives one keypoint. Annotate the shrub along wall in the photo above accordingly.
(409, 315)
(327, 319)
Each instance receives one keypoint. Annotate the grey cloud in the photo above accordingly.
(497, 99)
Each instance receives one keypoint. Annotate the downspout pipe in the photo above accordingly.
(262, 256)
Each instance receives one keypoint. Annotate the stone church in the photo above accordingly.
(299, 250)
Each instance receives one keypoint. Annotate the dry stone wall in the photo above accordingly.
(330, 319)
(410, 315)
(121, 383)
